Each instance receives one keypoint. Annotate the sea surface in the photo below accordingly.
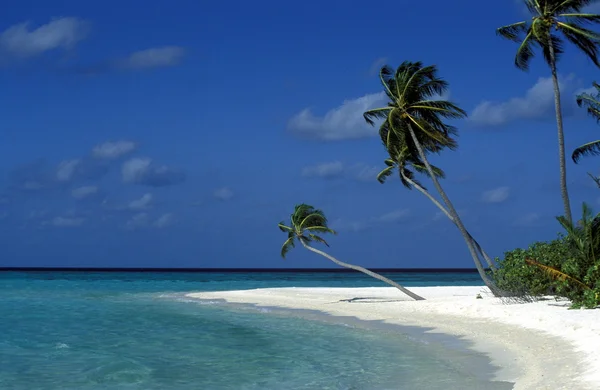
(93, 330)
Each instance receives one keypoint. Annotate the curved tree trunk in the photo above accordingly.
(495, 290)
(561, 137)
(422, 190)
(364, 271)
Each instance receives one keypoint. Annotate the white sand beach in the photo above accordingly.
(540, 345)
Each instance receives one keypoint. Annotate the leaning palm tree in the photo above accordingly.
(414, 119)
(592, 105)
(305, 223)
(408, 180)
(548, 18)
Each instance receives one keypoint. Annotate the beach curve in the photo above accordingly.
(539, 345)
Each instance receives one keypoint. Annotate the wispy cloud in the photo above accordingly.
(157, 57)
(144, 171)
(496, 195)
(67, 221)
(21, 40)
(144, 220)
(327, 170)
(84, 192)
(113, 150)
(343, 122)
(395, 216)
(377, 65)
(528, 220)
(223, 193)
(143, 203)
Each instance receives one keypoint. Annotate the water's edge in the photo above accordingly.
(458, 352)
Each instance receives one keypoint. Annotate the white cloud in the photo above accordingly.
(394, 216)
(366, 173)
(223, 193)
(142, 203)
(113, 150)
(326, 170)
(143, 171)
(67, 222)
(62, 33)
(343, 122)
(66, 169)
(163, 221)
(84, 192)
(537, 103)
(143, 220)
(497, 195)
(158, 57)
(137, 221)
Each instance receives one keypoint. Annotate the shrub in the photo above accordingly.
(518, 278)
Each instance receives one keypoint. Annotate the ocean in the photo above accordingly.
(95, 330)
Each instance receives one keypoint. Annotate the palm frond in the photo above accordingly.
(284, 228)
(556, 274)
(376, 113)
(513, 31)
(287, 246)
(586, 40)
(588, 149)
(595, 179)
(314, 237)
(322, 229)
(384, 174)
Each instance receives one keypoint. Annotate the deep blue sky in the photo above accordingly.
(134, 133)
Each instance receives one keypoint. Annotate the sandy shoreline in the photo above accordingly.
(539, 345)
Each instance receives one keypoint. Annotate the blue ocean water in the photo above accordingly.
(84, 331)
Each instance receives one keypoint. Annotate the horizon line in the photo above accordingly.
(231, 270)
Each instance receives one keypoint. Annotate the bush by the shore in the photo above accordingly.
(563, 271)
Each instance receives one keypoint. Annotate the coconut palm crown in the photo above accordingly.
(414, 92)
(548, 17)
(305, 221)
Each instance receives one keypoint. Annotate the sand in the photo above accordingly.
(540, 345)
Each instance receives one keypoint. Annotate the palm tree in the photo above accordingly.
(305, 222)
(408, 180)
(413, 120)
(563, 16)
(592, 105)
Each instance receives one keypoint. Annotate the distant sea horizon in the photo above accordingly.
(233, 269)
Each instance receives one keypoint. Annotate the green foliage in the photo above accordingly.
(568, 266)
(517, 277)
(305, 221)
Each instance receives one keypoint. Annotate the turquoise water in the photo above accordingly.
(89, 331)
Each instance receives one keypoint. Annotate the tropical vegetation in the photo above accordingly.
(548, 18)
(413, 126)
(416, 122)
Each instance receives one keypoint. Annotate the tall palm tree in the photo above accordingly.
(305, 223)
(408, 180)
(414, 119)
(592, 105)
(548, 18)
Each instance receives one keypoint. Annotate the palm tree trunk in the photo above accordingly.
(365, 271)
(422, 190)
(455, 216)
(561, 136)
